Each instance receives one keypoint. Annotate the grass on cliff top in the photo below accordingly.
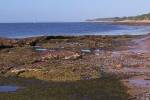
(96, 89)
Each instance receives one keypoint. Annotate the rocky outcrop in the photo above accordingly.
(5, 43)
(5, 68)
(31, 41)
(62, 54)
(18, 71)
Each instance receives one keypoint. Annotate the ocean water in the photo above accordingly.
(22, 30)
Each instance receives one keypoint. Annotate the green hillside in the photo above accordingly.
(139, 17)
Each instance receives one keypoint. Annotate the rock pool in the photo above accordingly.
(140, 83)
(8, 88)
(41, 49)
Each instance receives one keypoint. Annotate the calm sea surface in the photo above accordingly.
(21, 30)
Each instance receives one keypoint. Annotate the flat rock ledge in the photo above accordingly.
(62, 54)
(21, 70)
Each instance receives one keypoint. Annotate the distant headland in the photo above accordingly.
(140, 19)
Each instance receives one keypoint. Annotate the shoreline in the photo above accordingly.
(33, 41)
(57, 36)
(137, 23)
(111, 35)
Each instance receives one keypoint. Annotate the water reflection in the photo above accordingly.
(8, 88)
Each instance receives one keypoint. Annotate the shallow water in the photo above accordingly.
(139, 70)
(142, 45)
(86, 50)
(9, 88)
(41, 49)
(140, 83)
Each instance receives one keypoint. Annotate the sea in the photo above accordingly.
(23, 30)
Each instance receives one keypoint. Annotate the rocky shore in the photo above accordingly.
(76, 58)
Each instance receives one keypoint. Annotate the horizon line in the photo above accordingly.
(46, 22)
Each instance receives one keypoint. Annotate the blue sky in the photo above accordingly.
(68, 10)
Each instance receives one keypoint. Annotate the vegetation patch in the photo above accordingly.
(34, 89)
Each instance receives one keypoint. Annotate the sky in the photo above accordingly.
(68, 10)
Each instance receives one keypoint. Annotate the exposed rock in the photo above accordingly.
(31, 41)
(119, 66)
(5, 68)
(5, 43)
(21, 70)
(64, 54)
